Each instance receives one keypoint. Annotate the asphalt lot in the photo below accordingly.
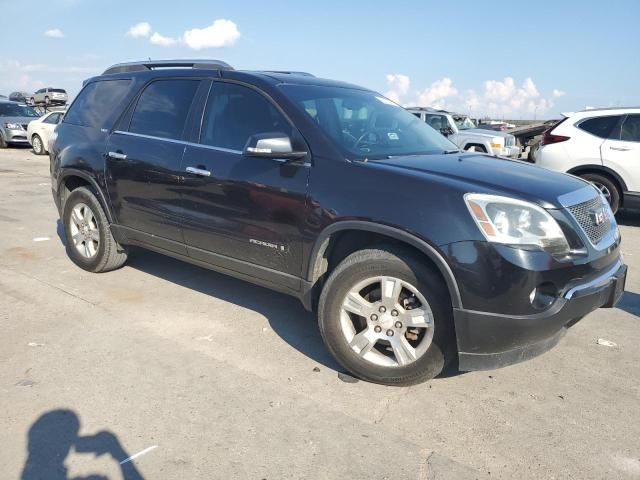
(220, 377)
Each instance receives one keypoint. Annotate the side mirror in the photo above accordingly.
(274, 145)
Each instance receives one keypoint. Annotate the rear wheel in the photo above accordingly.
(607, 187)
(476, 148)
(3, 144)
(385, 315)
(89, 241)
(46, 100)
(38, 147)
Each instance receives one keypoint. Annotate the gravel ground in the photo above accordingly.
(210, 377)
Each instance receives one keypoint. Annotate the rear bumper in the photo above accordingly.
(488, 340)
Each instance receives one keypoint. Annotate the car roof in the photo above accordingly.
(597, 112)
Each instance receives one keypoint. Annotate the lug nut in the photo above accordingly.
(394, 313)
(382, 309)
(398, 324)
(374, 317)
(389, 333)
(378, 328)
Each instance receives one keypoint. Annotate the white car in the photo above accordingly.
(461, 130)
(39, 131)
(601, 146)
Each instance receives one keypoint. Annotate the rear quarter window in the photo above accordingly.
(599, 126)
(97, 102)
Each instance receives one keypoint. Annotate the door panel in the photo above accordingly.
(143, 187)
(250, 209)
(622, 154)
(247, 208)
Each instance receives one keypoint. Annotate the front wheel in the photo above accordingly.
(38, 146)
(385, 315)
(89, 241)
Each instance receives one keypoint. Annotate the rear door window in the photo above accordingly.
(97, 102)
(600, 126)
(163, 107)
(234, 113)
(631, 129)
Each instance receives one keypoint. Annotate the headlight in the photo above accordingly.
(13, 126)
(515, 222)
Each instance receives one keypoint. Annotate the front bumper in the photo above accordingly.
(489, 340)
(16, 136)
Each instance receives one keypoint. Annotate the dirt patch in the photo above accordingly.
(21, 253)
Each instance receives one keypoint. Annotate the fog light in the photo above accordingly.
(543, 295)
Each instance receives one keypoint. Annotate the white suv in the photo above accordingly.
(601, 146)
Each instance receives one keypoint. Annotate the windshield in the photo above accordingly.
(364, 124)
(17, 110)
(464, 123)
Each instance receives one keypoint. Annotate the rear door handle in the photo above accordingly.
(117, 156)
(620, 149)
(199, 171)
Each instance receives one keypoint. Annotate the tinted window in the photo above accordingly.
(163, 107)
(234, 113)
(437, 121)
(96, 103)
(16, 110)
(631, 129)
(600, 126)
(57, 90)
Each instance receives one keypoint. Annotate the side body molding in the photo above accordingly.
(321, 244)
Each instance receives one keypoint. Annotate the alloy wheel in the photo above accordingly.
(84, 230)
(387, 321)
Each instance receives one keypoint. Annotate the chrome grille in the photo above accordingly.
(582, 212)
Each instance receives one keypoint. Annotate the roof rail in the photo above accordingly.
(292, 72)
(151, 64)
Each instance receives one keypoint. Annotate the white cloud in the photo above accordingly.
(398, 86)
(161, 40)
(54, 33)
(495, 98)
(221, 33)
(435, 95)
(142, 29)
(558, 93)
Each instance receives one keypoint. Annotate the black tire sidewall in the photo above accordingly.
(84, 195)
(442, 348)
(611, 186)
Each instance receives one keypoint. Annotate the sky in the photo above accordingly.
(504, 59)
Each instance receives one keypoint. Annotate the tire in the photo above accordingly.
(38, 146)
(475, 148)
(380, 363)
(32, 101)
(609, 189)
(3, 144)
(46, 100)
(101, 252)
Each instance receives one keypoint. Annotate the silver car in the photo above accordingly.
(14, 119)
(49, 96)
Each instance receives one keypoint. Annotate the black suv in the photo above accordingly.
(413, 253)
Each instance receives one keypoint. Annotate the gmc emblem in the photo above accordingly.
(598, 216)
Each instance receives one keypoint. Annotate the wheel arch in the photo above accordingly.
(601, 170)
(70, 179)
(325, 243)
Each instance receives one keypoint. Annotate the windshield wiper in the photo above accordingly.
(449, 152)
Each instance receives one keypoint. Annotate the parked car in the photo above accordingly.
(603, 147)
(461, 130)
(410, 251)
(39, 131)
(14, 119)
(49, 96)
(21, 97)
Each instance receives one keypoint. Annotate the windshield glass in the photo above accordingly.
(364, 124)
(17, 110)
(464, 123)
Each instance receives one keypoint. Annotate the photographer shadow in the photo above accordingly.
(54, 434)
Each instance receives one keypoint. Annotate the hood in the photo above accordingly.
(20, 120)
(486, 133)
(486, 174)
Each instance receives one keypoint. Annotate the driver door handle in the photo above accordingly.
(621, 148)
(199, 171)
